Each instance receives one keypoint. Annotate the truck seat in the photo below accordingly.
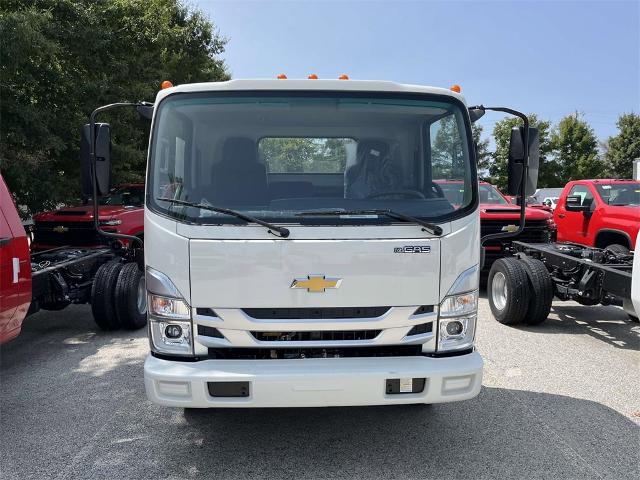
(373, 171)
(240, 178)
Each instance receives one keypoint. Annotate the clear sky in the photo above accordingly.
(547, 57)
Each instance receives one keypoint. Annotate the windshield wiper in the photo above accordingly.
(282, 232)
(426, 226)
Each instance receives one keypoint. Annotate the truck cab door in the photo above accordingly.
(575, 224)
(9, 298)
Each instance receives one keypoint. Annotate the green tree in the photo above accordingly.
(624, 147)
(547, 175)
(576, 149)
(447, 149)
(483, 155)
(297, 155)
(59, 59)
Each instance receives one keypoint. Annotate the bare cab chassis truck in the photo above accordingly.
(298, 249)
(521, 288)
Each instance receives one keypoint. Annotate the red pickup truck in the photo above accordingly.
(15, 268)
(122, 211)
(498, 214)
(599, 213)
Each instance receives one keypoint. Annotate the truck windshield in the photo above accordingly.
(273, 157)
(620, 194)
(488, 194)
(129, 196)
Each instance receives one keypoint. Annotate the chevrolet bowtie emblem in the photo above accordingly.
(60, 229)
(510, 228)
(316, 283)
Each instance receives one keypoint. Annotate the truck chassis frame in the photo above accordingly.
(587, 275)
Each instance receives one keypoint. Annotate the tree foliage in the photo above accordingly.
(305, 155)
(60, 59)
(483, 155)
(623, 148)
(576, 149)
(447, 150)
(547, 176)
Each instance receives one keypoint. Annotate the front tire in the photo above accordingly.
(131, 297)
(103, 296)
(508, 291)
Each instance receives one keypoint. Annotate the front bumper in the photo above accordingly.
(312, 382)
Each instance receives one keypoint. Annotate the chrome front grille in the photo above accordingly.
(314, 328)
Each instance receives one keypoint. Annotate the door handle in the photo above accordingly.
(561, 215)
(5, 241)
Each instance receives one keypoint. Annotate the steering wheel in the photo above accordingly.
(407, 192)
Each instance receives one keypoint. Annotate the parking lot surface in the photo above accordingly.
(559, 401)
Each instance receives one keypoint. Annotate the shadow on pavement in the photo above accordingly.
(501, 434)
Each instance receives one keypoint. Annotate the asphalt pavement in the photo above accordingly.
(559, 401)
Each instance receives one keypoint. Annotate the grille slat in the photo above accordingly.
(314, 352)
(308, 313)
(316, 336)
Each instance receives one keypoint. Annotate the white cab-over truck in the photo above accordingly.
(299, 251)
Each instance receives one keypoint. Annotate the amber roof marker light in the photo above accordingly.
(344, 76)
(455, 88)
(166, 84)
(282, 76)
(313, 76)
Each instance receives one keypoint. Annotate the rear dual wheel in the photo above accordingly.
(118, 296)
(131, 297)
(519, 291)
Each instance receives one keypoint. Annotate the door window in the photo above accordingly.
(582, 191)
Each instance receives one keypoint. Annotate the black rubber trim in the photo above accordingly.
(449, 354)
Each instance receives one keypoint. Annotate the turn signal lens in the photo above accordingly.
(166, 84)
(166, 307)
(455, 305)
(455, 88)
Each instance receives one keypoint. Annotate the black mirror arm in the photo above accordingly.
(94, 178)
(525, 172)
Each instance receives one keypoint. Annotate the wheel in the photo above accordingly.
(103, 296)
(541, 291)
(508, 290)
(618, 249)
(131, 297)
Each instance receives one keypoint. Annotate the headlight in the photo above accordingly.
(458, 313)
(457, 305)
(166, 307)
(456, 333)
(110, 223)
(171, 337)
(170, 327)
